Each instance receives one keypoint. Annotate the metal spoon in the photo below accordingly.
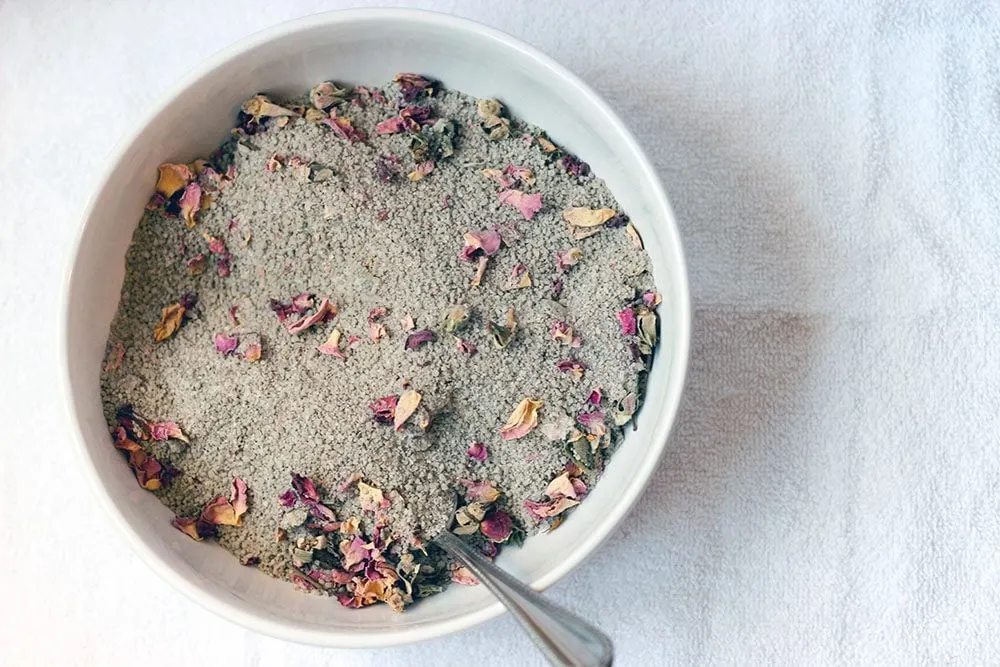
(564, 638)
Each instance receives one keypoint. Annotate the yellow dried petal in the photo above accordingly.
(170, 322)
(172, 177)
(587, 217)
(522, 421)
(370, 497)
(405, 407)
(634, 235)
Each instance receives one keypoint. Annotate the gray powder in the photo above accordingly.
(365, 243)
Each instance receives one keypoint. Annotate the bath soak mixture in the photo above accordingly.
(372, 315)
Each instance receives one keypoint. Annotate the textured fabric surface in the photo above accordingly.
(829, 494)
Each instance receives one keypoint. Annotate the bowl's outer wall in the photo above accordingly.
(369, 47)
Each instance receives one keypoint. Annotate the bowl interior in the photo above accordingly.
(366, 47)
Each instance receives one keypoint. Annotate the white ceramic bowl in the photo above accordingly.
(364, 46)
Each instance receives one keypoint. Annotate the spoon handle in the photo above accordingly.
(564, 638)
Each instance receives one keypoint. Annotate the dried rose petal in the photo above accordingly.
(226, 344)
(572, 366)
(477, 451)
(626, 318)
(463, 575)
(188, 526)
(232, 315)
(519, 278)
(223, 512)
(405, 408)
(274, 163)
(557, 287)
(498, 177)
(259, 106)
(305, 487)
(288, 498)
(567, 258)
(521, 175)
(407, 323)
(592, 421)
(325, 95)
(343, 128)
(651, 298)
(415, 116)
(196, 265)
(384, 409)
(480, 271)
(253, 352)
(325, 310)
(216, 245)
(527, 205)
(393, 125)
(353, 342)
(223, 264)
(332, 346)
(479, 492)
(522, 421)
(575, 166)
(634, 235)
(581, 216)
(595, 396)
(376, 332)
(563, 333)
(412, 86)
(190, 203)
(496, 526)
(171, 319)
(542, 510)
(466, 347)
(418, 338)
(479, 244)
(172, 178)
(371, 498)
(164, 431)
(424, 168)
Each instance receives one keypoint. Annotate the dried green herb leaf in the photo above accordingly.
(456, 318)
(502, 335)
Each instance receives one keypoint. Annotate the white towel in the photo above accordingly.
(830, 493)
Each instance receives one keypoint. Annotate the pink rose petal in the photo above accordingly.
(305, 487)
(418, 338)
(384, 409)
(466, 347)
(164, 431)
(324, 311)
(288, 498)
(527, 205)
(392, 125)
(496, 526)
(626, 318)
(226, 344)
(477, 451)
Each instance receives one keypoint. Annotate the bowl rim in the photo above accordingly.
(681, 306)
